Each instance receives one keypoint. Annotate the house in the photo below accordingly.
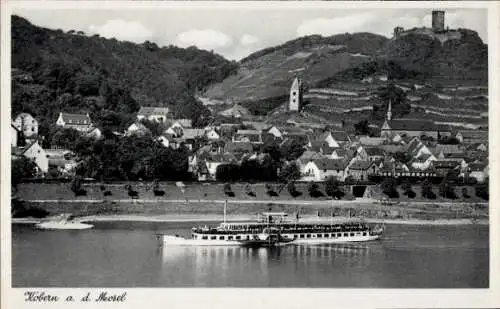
(409, 127)
(33, 151)
(79, 122)
(479, 171)
(321, 169)
(212, 134)
(472, 136)
(422, 162)
(441, 151)
(338, 153)
(365, 153)
(390, 168)
(334, 139)
(416, 148)
(443, 167)
(276, 132)
(360, 170)
(371, 141)
(251, 136)
(168, 141)
(177, 127)
(238, 147)
(14, 134)
(26, 124)
(137, 129)
(306, 157)
(211, 161)
(63, 160)
(158, 114)
(237, 111)
(94, 133)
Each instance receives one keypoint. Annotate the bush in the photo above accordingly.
(228, 190)
(389, 188)
(427, 190)
(292, 189)
(270, 190)
(332, 188)
(465, 193)
(446, 190)
(313, 190)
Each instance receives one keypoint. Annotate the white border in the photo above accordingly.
(267, 298)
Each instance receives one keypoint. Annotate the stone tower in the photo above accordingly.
(398, 31)
(438, 21)
(295, 102)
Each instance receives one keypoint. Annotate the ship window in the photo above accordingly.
(308, 235)
(238, 237)
(346, 234)
(248, 237)
(352, 234)
(213, 237)
(301, 235)
(364, 234)
(295, 236)
(339, 235)
(230, 237)
(320, 235)
(326, 235)
(221, 237)
(204, 237)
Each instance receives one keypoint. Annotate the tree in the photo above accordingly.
(427, 190)
(227, 172)
(465, 193)
(313, 190)
(482, 190)
(248, 190)
(362, 128)
(446, 189)
(292, 189)
(332, 188)
(407, 189)
(21, 168)
(289, 172)
(402, 156)
(292, 151)
(389, 186)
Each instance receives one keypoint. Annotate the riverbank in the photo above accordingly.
(242, 210)
(238, 218)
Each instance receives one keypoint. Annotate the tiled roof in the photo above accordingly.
(474, 167)
(412, 125)
(360, 165)
(76, 119)
(329, 164)
(447, 149)
(238, 147)
(192, 133)
(374, 151)
(371, 141)
(149, 111)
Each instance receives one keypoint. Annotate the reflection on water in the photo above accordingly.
(129, 255)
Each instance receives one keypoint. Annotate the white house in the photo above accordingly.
(276, 132)
(158, 114)
(26, 124)
(94, 133)
(423, 162)
(212, 134)
(321, 169)
(334, 139)
(137, 128)
(34, 152)
(79, 122)
(479, 171)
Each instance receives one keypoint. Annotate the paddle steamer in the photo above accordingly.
(274, 228)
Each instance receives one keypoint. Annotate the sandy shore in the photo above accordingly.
(234, 218)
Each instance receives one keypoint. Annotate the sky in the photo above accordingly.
(235, 32)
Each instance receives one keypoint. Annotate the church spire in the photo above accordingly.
(389, 111)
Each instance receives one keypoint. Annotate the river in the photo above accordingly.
(127, 254)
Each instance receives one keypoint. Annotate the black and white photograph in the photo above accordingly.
(247, 146)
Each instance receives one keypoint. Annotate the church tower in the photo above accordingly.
(389, 111)
(295, 102)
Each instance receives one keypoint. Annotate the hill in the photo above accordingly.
(70, 71)
(344, 74)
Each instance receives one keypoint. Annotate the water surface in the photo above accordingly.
(127, 254)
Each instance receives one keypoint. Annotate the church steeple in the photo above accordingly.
(389, 111)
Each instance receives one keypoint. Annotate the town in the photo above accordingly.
(404, 149)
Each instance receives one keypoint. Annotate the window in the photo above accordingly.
(204, 237)
(293, 100)
(301, 235)
(319, 235)
(230, 237)
(352, 234)
(364, 233)
(238, 237)
(346, 234)
(295, 236)
(294, 93)
(213, 237)
(339, 235)
(308, 235)
(221, 237)
(32, 129)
